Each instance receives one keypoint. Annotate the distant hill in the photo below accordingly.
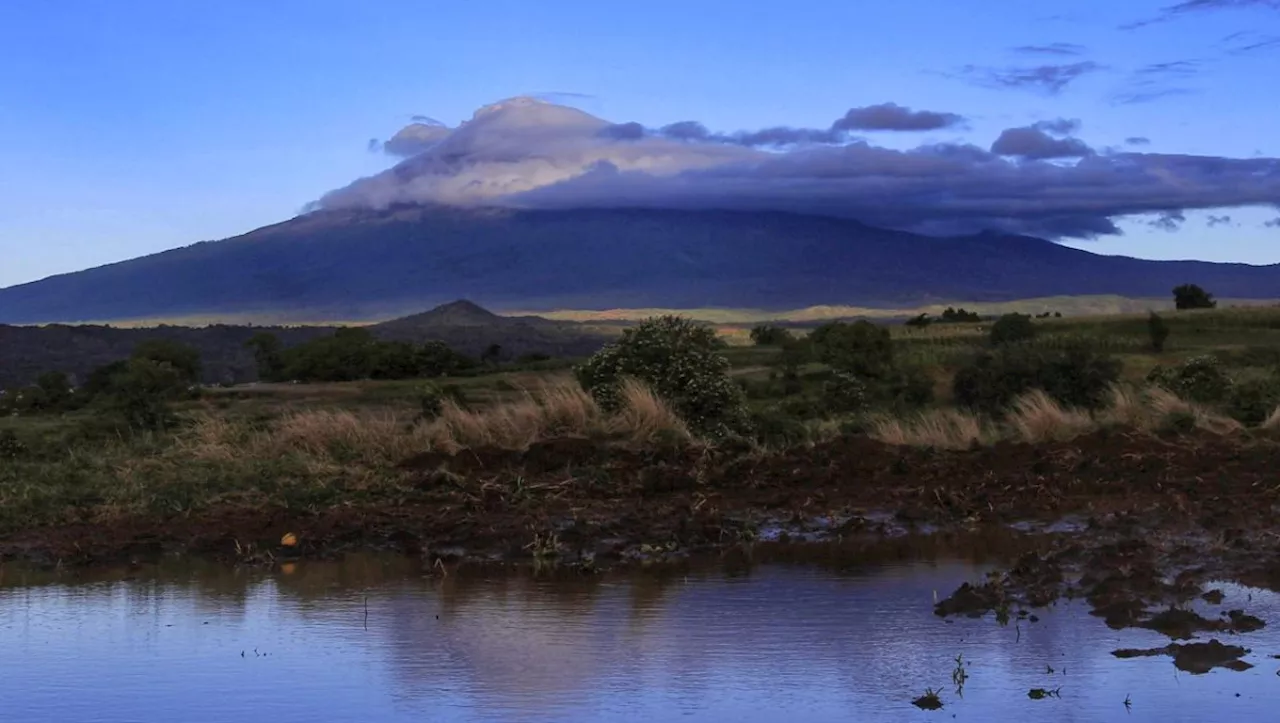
(28, 351)
(373, 265)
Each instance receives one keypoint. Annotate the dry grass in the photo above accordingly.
(378, 439)
(938, 428)
(1168, 407)
(1037, 417)
(1272, 423)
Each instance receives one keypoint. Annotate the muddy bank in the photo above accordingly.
(576, 502)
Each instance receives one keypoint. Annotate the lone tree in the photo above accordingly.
(861, 348)
(1191, 296)
(768, 335)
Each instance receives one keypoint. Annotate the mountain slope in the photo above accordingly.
(359, 264)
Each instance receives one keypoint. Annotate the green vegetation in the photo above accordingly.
(138, 436)
(1190, 296)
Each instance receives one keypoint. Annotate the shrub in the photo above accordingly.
(767, 335)
(774, 427)
(1158, 331)
(680, 361)
(1076, 377)
(141, 391)
(906, 387)
(1201, 379)
(845, 393)
(10, 446)
(184, 360)
(1191, 296)
(1012, 329)
(919, 322)
(1253, 401)
(861, 348)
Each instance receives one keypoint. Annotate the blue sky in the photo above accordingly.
(128, 128)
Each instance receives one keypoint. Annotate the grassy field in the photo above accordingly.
(310, 446)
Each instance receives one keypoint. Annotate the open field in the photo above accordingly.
(502, 459)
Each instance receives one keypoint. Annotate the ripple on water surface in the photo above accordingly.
(373, 639)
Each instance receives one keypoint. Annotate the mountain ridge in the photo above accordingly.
(360, 264)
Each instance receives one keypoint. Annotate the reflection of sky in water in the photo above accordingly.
(785, 643)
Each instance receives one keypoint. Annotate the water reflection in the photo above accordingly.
(377, 639)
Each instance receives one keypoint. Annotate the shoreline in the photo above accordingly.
(1138, 526)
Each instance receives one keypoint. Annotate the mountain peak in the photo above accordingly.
(455, 313)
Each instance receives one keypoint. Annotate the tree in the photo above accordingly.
(1011, 329)
(491, 354)
(861, 348)
(268, 355)
(768, 335)
(1075, 376)
(141, 390)
(55, 390)
(184, 359)
(1190, 296)
(919, 322)
(681, 361)
(1158, 330)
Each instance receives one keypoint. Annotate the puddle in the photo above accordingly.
(375, 639)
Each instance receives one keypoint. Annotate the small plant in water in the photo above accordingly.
(1041, 693)
(959, 675)
(928, 701)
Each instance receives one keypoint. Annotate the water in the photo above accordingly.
(374, 639)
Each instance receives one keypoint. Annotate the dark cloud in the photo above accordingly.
(1168, 221)
(893, 117)
(1158, 80)
(1248, 41)
(529, 155)
(1273, 223)
(1213, 221)
(1035, 143)
(1050, 79)
(1051, 49)
(1138, 141)
(623, 131)
(1188, 7)
(686, 131)
(1147, 95)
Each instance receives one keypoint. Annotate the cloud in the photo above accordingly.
(1050, 79)
(1034, 141)
(1273, 223)
(1147, 95)
(1189, 7)
(527, 154)
(1168, 221)
(1248, 41)
(1051, 49)
(1213, 221)
(413, 139)
(893, 117)
(1137, 141)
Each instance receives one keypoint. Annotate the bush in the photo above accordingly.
(1190, 296)
(1201, 379)
(1012, 329)
(681, 361)
(183, 359)
(919, 322)
(767, 335)
(10, 446)
(141, 391)
(774, 427)
(906, 388)
(1076, 377)
(1253, 401)
(845, 393)
(861, 348)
